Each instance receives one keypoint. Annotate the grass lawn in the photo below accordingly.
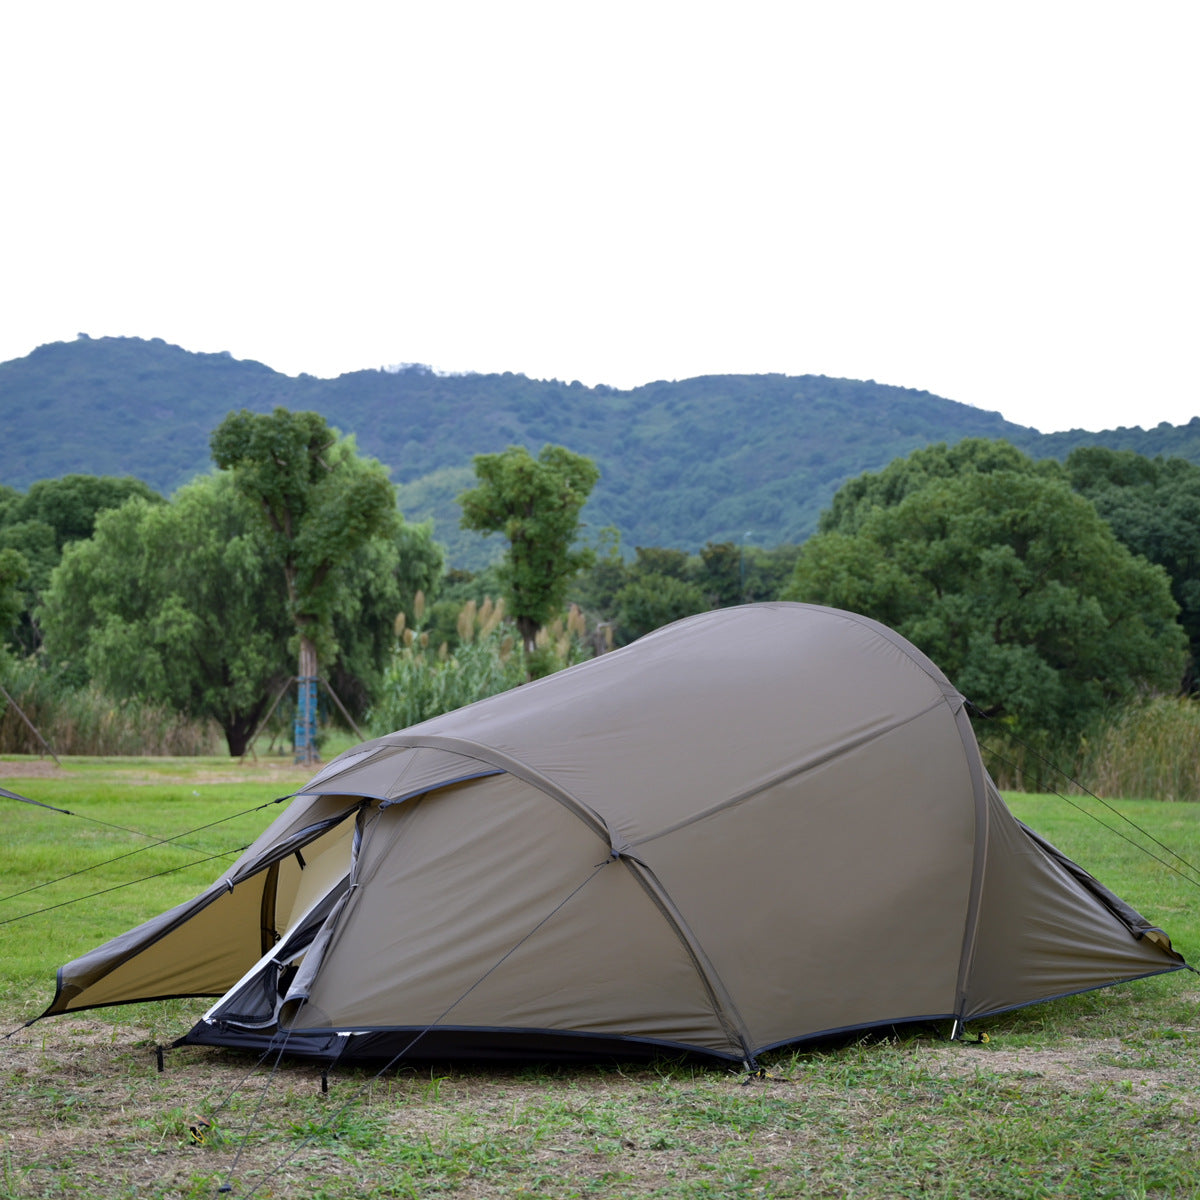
(1091, 1096)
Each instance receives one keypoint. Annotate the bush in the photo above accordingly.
(83, 720)
(424, 681)
(1146, 751)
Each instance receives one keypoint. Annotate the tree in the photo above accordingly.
(320, 503)
(1016, 587)
(768, 572)
(535, 503)
(722, 573)
(14, 571)
(70, 505)
(177, 603)
(854, 501)
(53, 514)
(661, 560)
(595, 589)
(651, 600)
(380, 581)
(1153, 506)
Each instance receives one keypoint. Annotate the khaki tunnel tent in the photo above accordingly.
(755, 826)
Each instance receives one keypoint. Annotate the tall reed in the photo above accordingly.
(424, 680)
(83, 720)
(1147, 751)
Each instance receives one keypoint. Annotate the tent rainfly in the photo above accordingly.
(752, 827)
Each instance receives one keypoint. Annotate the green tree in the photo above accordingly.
(651, 600)
(70, 505)
(768, 572)
(53, 514)
(1153, 506)
(320, 503)
(1016, 587)
(662, 560)
(379, 582)
(14, 571)
(535, 504)
(595, 588)
(176, 603)
(854, 501)
(722, 573)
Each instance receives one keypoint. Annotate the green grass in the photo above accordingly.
(98, 852)
(1091, 1096)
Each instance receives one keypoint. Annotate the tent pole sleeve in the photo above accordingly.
(718, 995)
(514, 766)
(979, 861)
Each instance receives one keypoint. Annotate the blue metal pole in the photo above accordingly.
(305, 731)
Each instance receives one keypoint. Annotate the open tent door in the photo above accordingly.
(203, 946)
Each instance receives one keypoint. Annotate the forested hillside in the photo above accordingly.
(745, 458)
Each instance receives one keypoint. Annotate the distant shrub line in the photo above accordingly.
(1146, 750)
(83, 720)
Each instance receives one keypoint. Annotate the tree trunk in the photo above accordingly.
(237, 734)
(306, 704)
(528, 629)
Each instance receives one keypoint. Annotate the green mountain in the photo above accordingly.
(750, 458)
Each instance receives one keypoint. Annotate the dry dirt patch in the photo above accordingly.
(1081, 1065)
(31, 769)
(272, 770)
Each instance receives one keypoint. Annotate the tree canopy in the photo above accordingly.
(650, 600)
(1153, 506)
(380, 581)
(14, 571)
(855, 500)
(1011, 582)
(184, 604)
(177, 603)
(320, 503)
(40, 523)
(535, 504)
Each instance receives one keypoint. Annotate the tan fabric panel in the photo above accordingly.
(837, 898)
(456, 881)
(1042, 934)
(304, 811)
(326, 862)
(389, 770)
(202, 957)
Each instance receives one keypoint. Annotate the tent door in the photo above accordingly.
(253, 1002)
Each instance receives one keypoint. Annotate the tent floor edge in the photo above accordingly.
(445, 1043)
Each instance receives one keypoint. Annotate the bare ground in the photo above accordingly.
(263, 770)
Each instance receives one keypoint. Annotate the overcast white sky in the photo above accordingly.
(997, 203)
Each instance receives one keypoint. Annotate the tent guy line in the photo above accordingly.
(118, 886)
(173, 840)
(1053, 766)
